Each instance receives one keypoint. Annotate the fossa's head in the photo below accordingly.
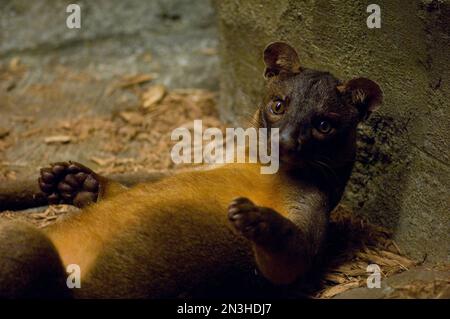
(316, 114)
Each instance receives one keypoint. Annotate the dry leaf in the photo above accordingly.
(153, 95)
(58, 139)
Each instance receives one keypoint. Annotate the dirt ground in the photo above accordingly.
(104, 124)
(123, 126)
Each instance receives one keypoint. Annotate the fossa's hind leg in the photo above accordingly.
(30, 266)
(75, 184)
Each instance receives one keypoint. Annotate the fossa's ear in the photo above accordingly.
(364, 94)
(280, 58)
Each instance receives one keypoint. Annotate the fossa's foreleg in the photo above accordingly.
(281, 245)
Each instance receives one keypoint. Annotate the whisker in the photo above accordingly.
(325, 168)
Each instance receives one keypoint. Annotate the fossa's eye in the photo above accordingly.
(278, 107)
(324, 127)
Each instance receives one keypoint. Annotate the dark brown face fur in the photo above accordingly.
(316, 114)
(314, 121)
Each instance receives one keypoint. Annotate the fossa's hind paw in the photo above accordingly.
(69, 183)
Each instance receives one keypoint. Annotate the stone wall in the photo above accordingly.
(402, 176)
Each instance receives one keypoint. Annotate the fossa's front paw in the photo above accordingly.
(259, 224)
(69, 183)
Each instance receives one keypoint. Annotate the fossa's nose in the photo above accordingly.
(294, 140)
(288, 141)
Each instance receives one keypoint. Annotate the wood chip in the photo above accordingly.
(10, 85)
(14, 64)
(58, 139)
(208, 51)
(147, 57)
(135, 80)
(102, 161)
(134, 118)
(3, 133)
(128, 132)
(153, 95)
